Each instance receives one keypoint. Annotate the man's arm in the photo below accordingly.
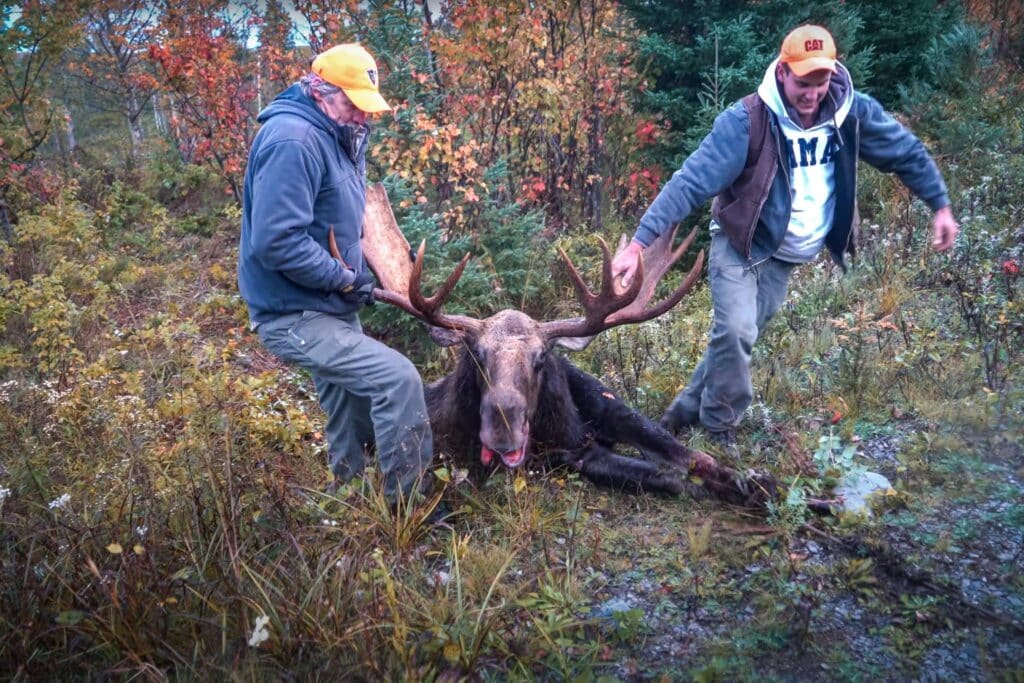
(888, 146)
(712, 167)
(284, 189)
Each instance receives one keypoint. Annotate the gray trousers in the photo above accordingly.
(744, 299)
(372, 394)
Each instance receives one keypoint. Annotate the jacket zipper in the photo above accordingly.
(856, 156)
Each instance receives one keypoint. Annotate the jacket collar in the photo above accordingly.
(351, 138)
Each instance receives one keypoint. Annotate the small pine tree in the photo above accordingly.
(702, 55)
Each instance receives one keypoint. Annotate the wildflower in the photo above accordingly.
(5, 394)
(259, 631)
(60, 503)
(1011, 267)
(4, 493)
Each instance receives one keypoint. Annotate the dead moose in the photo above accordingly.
(511, 398)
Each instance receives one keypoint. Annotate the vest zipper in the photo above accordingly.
(764, 200)
(757, 218)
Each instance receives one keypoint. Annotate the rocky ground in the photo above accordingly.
(929, 589)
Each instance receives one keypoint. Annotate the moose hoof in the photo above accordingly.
(757, 488)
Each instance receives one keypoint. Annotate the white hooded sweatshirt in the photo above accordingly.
(811, 155)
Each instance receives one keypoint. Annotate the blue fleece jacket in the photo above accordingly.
(306, 176)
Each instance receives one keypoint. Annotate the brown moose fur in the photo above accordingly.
(574, 421)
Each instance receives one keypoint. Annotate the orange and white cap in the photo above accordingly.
(809, 48)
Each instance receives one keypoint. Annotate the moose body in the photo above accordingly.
(552, 411)
(512, 398)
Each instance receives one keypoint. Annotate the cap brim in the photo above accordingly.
(806, 66)
(369, 101)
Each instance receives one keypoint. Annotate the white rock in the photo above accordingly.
(856, 489)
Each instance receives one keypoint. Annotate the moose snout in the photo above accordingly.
(504, 431)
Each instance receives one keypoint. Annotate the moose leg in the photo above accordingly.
(606, 468)
(752, 489)
(614, 422)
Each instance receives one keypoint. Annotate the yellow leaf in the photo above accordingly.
(139, 550)
(115, 549)
(520, 484)
(452, 651)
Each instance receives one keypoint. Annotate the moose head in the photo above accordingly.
(513, 352)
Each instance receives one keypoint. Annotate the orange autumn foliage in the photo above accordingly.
(542, 89)
(203, 68)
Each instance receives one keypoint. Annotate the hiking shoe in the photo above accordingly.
(678, 417)
(725, 440)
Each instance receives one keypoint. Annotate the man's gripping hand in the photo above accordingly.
(626, 263)
(360, 291)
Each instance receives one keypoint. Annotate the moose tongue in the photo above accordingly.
(513, 458)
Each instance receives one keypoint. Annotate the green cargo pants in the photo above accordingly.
(371, 393)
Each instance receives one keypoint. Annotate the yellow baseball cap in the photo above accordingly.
(809, 48)
(350, 67)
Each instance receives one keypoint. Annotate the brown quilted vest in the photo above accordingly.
(737, 208)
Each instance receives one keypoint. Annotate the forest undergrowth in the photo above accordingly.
(163, 505)
(165, 508)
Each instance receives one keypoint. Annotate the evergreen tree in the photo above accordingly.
(278, 63)
(900, 35)
(704, 54)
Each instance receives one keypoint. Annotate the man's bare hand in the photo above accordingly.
(625, 263)
(945, 229)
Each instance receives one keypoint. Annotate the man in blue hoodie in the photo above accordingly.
(306, 178)
(781, 164)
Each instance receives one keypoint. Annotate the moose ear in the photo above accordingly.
(574, 343)
(443, 336)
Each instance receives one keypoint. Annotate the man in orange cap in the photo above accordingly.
(782, 166)
(306, 178)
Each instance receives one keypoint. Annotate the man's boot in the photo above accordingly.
(725, 440)
(678, 417)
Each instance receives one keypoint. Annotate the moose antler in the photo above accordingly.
(428, 308)
(388, 254)
(611, 308)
